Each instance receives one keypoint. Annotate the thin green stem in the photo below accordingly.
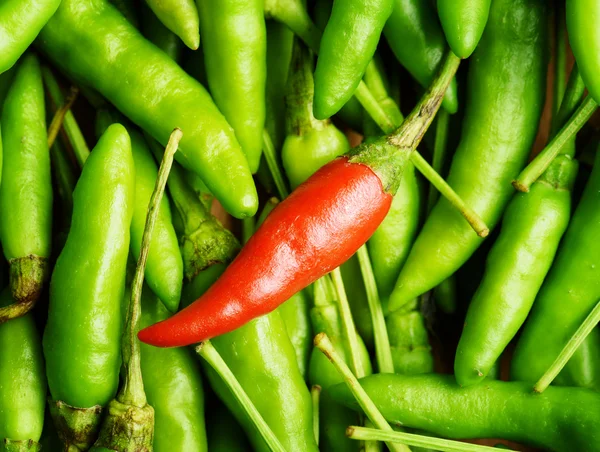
(383, 351)
(323, 343)
(567, 352)
(59, 116)
(74, 134)
(439, 153)
(543, 160)
(348, 324)
(207, 351)
(271, 159)
(448, 445)
(133, 385)
(247, 229)
(560, 62)
(315, 395)
(65, 176)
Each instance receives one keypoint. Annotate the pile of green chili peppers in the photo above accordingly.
(437, 334)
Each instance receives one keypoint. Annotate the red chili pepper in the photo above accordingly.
(314, 230)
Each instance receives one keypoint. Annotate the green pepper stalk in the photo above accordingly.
(129, 423)
(294, 15)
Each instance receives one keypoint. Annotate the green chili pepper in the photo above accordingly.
(22, 383)
(351, 112)
(583, 24)
(463, 23)
(333, 417)
(359, 304)
(153, 91)
(20, 23)
(559, 419)
(568, 294)
(507, 80)
(159, 35)
(235, 46)
(164, 268)
(268, 361)
(173, 386)
(179, 16)
(224, 432)
(416, 38)
(26, 190)
(533, 225)
(294, 312)
(347, 46)
(409, 340)
(310, 143)
(82, 337)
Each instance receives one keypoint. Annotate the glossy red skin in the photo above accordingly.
(316, 229)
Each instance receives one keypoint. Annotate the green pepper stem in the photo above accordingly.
(80, 148)
(410, 439)
(64, 175)
(560, 61)
(294, 16)
(542, 161)
(567, 352)
(247, 229)
(315, 395)
(439, 153)
(207, 351)
(271, 159)
(348, 324)
(323, 343)
(132, 392)
(383, 351)
(59, 116)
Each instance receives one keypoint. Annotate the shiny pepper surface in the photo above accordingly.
(95, 45)
(506, 87)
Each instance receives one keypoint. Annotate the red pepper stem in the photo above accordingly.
(323, 343)
(207, 351)
(567, 352)
(132, 392)
(315, 395)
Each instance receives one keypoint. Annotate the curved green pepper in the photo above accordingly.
(568, 294)
(82, 337)
(164, 267)
(179, 16)
(506, 88)
(20, 23)
(463, 23)
(559, 419)
(310, 143)
(583, 24)
(235, 47)
(26, 190)
(416, 38)
(83, 37)
(533, 225)
(173, 385)
(347, 47)
(22, 383)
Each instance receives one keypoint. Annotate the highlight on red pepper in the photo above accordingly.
(313, 231)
